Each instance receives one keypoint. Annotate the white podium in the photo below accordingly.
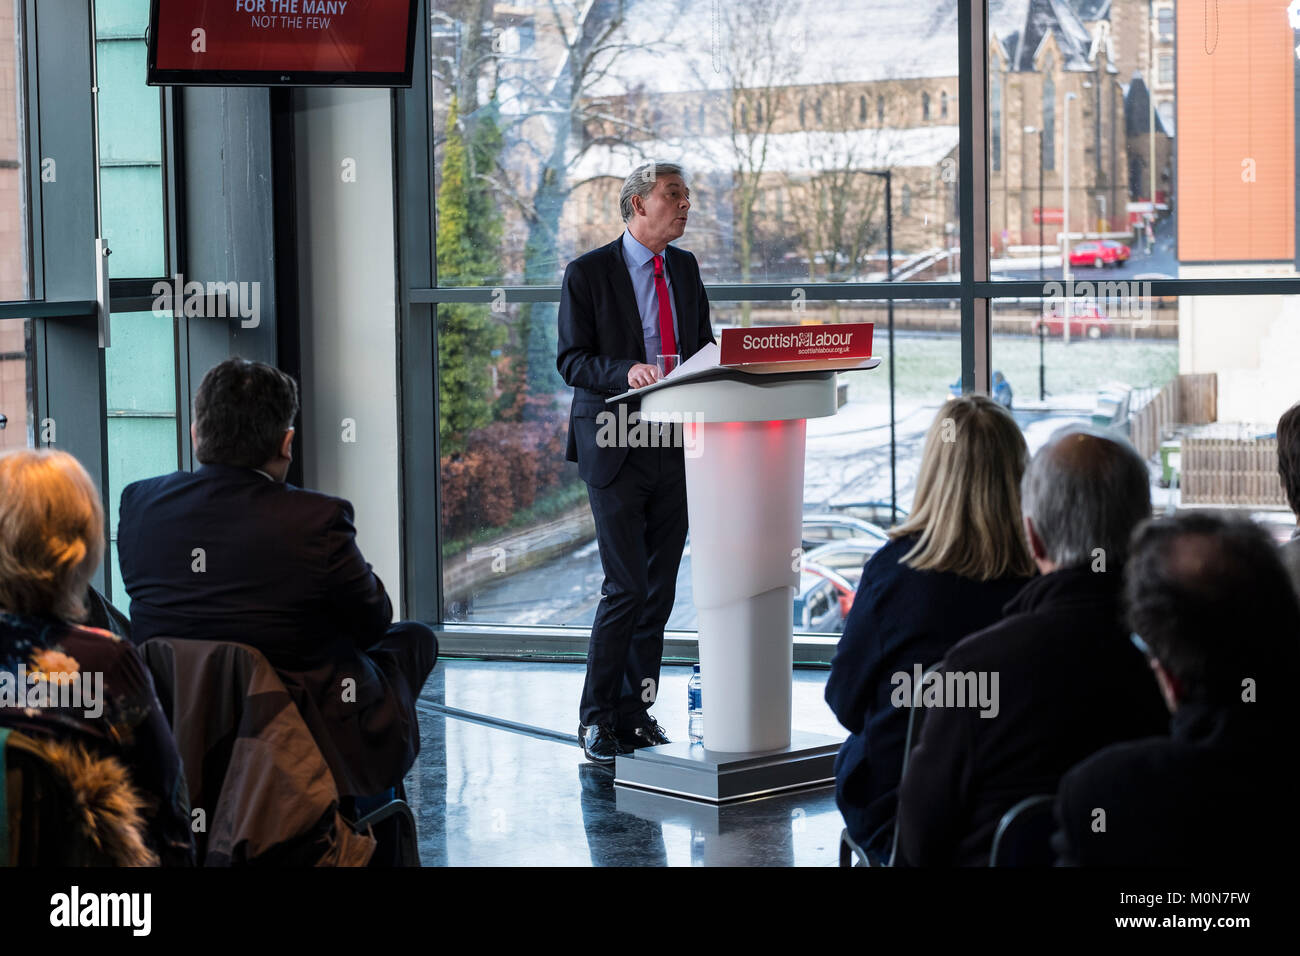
(744, 437)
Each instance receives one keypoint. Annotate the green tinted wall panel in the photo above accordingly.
(129, 112)
(121, 17)
(142, 364)
(137, 448)
(131, 200)
(130, 152)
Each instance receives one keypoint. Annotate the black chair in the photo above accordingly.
(207, 750)
(853, 855)
(850, 853)
(1024, 834)
(397, 838)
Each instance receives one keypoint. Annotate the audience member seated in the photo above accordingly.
(1058, 677)
(68, 683)
(230, 552)
(1211, 605)
(1288, 466)
(947, 572)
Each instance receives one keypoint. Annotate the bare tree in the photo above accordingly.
(840, 215)
(755, 54)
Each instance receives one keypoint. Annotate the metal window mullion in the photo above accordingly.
(766, 292)
(973, 183)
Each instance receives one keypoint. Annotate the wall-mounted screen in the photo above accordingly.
(281, 42)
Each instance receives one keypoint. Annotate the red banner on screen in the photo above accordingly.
(795, 343)
(290, 36)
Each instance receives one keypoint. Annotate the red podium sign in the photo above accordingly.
(781, 344)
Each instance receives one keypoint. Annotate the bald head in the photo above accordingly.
(1210, 597)
(1085, 491)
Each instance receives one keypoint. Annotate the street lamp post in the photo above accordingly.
(1151, 103)
(1031, 130)
(887, 176)
(1065, 220)
(1042, 318)
(1065, 190)
(1042, 365)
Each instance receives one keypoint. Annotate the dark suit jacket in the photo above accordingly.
(900, 617)
(1069, 683)
(280, 572)
(600, 338)
(1213, 793)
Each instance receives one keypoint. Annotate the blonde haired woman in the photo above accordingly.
(947, 571)
(51, 542)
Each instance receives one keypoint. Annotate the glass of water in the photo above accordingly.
(667, 364)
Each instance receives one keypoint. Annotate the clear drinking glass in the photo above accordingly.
(667, 364)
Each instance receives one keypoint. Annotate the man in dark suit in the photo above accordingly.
(1068, 681)
(621, 306)
(230, 552)
(1211, 606)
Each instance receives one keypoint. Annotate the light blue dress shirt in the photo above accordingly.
(642, 270)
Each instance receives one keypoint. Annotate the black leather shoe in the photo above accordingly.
(601, 744)
(647, 733)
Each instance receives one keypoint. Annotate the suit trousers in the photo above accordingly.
(406, 656)
(371, 743)
(641, 524)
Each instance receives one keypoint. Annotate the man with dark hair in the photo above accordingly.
(1210, 605)
(1288, 466)
(1065, 680)
(230, 552)
(622, 306)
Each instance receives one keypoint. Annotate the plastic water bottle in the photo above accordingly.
(695, 705)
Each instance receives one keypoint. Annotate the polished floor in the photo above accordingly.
(518, 791)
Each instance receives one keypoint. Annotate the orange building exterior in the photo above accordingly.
(1236, 134)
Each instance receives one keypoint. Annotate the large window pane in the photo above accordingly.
(781, 113)
(1175, 123)
(14, 268)
(130, 142)
(776, 109)
(1197, 383)
(518, 538)
(1058, 112)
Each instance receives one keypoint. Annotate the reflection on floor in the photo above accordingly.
(488, 796)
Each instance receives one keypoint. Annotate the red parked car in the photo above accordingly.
(843, 589)
(1099, 253)
(1085, 319)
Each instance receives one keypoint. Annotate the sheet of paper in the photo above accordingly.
(706, 357)
(701, 363)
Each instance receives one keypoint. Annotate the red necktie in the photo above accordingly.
(667, 341)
